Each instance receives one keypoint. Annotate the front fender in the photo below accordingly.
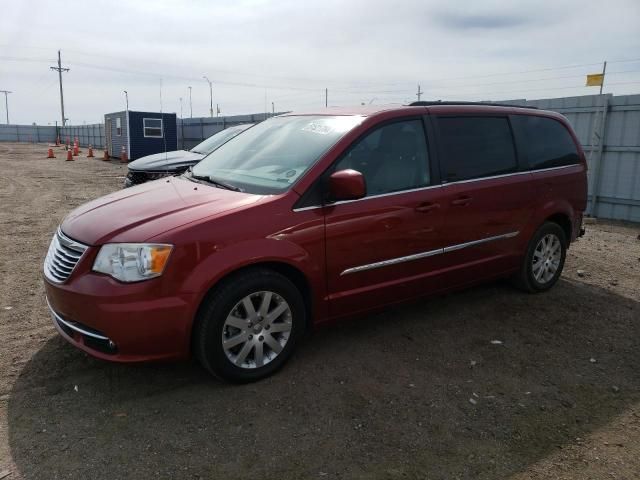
(222, 261)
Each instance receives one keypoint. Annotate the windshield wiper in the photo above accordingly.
(195, 178)
(228, 186)
(213, 181)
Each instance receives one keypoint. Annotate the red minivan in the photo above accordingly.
(309, 218)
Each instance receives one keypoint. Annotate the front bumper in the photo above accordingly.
(122, 322)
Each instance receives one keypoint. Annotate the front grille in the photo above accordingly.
(136, 178)
(62, 257)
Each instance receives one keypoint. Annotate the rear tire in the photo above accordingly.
(544, 260)
(248, 328)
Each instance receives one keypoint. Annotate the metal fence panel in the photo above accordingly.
(27, 133)
(192, 131)
(92, 134)
(608, 128)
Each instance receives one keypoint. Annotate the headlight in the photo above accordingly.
(132, 262)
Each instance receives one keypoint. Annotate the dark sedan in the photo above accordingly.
(161, 165)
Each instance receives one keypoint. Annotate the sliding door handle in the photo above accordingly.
(461, 202)
(427, 207)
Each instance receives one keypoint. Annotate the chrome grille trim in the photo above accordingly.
(62, 257)
(73, 326)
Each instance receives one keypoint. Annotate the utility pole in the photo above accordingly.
(273, 108)
(190, 104)
(180, 107)
(210, 95)
(419, 94)
(326, 97)
(126, 99)
(59, 69)
(6, 102)
(604, 70)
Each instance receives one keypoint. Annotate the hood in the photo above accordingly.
(166, 161)
(139, 213)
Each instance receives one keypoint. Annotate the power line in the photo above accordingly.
(254, 75)
(466, 77)
(541, 89)
(483, 84)
(344, 89)
(558, 67)
(354, 89)
(545, 79)
(45, 88)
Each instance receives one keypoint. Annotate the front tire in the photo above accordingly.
(543, 263)
(248, 328)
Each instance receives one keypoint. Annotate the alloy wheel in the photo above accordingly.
(546, 258)
(257, 329)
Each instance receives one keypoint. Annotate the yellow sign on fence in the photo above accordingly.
(595, 80)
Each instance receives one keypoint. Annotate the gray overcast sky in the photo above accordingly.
(258, 52)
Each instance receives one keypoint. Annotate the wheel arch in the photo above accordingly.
(564, 221)
(292, 273)
(558, 211)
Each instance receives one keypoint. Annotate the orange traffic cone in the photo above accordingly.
(75, 151)
(105, 157)
(90, 154)
(123, 155)
(69, 156)
(50, 153)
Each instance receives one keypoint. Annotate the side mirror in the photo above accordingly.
(346, 185)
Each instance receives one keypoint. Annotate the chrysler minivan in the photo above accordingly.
(314, 217)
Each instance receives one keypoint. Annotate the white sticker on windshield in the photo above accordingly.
(315, 127)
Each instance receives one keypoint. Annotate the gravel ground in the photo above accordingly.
(420, 391)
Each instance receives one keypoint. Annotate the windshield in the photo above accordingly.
(272, 155)
(214, 141)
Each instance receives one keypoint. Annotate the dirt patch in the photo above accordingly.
(419, 391)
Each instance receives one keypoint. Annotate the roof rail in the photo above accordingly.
(489, 104)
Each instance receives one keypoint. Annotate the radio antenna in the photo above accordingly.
(162, 130)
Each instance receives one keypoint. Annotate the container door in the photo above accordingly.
(107, 135)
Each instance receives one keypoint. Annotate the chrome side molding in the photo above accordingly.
(430, 253)
(392, 261)
(460, 246)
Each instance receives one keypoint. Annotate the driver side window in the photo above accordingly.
(392, 158)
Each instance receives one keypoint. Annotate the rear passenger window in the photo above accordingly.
(475, 147)
(392, 158)
(546, 143)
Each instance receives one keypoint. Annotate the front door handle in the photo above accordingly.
(427, 207)
(461, 202)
